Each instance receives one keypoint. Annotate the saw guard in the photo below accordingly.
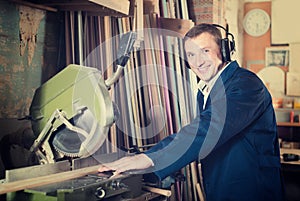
(80, 139)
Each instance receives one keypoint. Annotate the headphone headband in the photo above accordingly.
(227, 46)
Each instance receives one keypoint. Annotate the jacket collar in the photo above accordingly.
(229, 71)
(225, 74)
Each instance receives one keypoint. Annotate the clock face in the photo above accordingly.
(256, 22)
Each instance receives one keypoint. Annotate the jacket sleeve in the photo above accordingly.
(235, 105)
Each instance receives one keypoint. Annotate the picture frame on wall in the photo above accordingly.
(277, 56)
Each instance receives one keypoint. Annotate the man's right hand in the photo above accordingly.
(136, 162)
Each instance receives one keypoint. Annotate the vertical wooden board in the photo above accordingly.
(121, 6)
(160, 72)
(152, 78)
(133, 121)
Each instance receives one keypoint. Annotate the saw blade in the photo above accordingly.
(67, 142)
(83, 138)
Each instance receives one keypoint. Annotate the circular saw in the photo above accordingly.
(72, 112)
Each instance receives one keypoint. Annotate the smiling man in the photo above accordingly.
(234, 134)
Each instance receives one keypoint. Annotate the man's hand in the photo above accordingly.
(136, 162)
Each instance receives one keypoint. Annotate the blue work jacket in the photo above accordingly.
(235, 139)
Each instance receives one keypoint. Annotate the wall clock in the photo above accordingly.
(256, 22)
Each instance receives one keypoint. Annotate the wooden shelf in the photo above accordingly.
(286, 109)
(289, 151)
(297, 124)
(96, 7)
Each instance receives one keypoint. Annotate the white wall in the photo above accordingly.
(256, 0)
(285, 21)
(234, 12)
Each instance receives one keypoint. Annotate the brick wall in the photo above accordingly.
(206, 11)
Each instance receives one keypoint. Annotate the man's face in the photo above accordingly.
(203, 55)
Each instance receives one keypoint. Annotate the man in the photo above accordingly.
(234, 134)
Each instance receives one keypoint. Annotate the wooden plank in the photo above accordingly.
(200, 194)
(289, 151)
(160, 74)
(121, 6)
(195, 180)
(48, 179)
(72, 24)
(163, 58)
(80, 37)
(156, 118)
(184, 9)
(138, 24)
(67, 38)
(41, 7)
(179, 26)
(18, 174)
(159, 191)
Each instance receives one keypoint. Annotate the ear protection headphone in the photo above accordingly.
(227, 46)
